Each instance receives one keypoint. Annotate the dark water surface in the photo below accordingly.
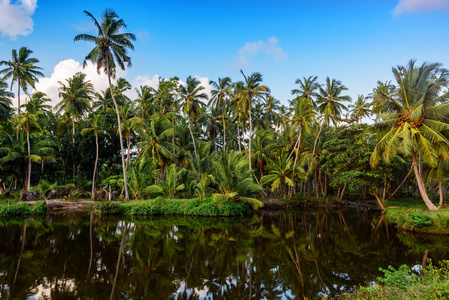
(292, 255)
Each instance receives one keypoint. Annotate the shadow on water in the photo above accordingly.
(292, 255)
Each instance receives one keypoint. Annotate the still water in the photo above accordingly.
(291, 255)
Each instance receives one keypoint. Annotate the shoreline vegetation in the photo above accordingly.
(227, 151)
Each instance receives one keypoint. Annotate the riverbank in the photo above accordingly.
(412, 215)
(403, 283)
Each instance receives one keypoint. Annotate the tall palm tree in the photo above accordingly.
(190, 101)
(95, 126)
(252, 90)
(111, 49)
(21, 68)
(412, 124)
(143, 100)
(5, 101)
(308, 88)
(329, 103)
(219, 100)
(76, 95)
(29, 122)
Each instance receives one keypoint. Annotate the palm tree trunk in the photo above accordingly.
(193, 139)
(250, 134)
(238, 135)
(318, 136)
(120, 132)
(421, 186)
(128, 142)
(73, 146)
(18, 95)
(224, 129)
(29, 161)
(440, 190)
(95, 168)
(296, 157)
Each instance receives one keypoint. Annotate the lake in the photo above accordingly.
(289, 255)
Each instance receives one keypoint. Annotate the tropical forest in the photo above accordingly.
(228, 193)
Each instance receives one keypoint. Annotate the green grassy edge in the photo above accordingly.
(186, 207)
(413, 215)
(24, 209)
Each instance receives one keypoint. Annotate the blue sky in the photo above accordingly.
(357, 42)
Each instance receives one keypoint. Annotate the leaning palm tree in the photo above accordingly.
(220, 97)
(110, 50)
(22, 69)
(412, 124)
(190, 97)
(252, 90)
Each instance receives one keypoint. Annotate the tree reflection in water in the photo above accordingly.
(292, 255)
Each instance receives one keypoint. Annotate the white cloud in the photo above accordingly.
(269, 47)
(153, 81)
(411, 6)
(64, 70)
(15, 17)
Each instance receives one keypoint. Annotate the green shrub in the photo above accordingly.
(111, 208)
(7, 211)
(145, 209)
(399, 278)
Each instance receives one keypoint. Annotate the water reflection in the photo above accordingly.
(293, 255)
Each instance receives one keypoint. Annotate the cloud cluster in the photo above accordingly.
(153, 81)
(412, 6)
(64, 70)
(269, 47)
(15, 17)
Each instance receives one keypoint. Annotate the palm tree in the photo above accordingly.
(143, 100)
(412, 123)
(307, 89)
(130, 124)
(5, 101)
(96, 124)
(76, 101)
(190, 101)
(21, 69)
(233, 179)
(251, 90)
(329, 103)
(360, 109)
(29, 122)
(220, 97)
(110, 49)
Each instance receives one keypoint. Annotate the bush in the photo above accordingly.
(111, 208)
(22, 209)
(419, 219)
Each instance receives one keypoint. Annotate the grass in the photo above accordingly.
(186, 207)
(14, 210)
(404, 284)
(413, 215)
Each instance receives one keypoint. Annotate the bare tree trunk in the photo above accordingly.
(73, 146)
(120, 132)
(18, 96)
(440, 190)
(343, 191)
(224, 129)
(379, 201)
(128, 142)
(250, 134)
(318, 136)
(421, 186)
(29, 161)
(95, 167)
(193, 139)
